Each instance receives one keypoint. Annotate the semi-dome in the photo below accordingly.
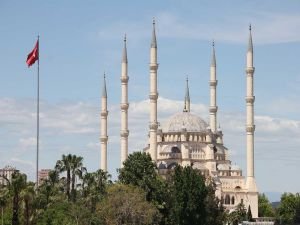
(185, 120)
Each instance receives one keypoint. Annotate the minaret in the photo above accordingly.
(153, 96)
(250, 127)
(187, 100)
(213, 92)
(104, 137)
(124, 106)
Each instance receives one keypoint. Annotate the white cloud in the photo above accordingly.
(74, 128)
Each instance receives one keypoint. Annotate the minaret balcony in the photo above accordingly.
(103, 138)
(250, 99)
(124, 106)
(124, 133)
(213, 109)
(153, 125)
(153, 66)
(104, 113)
(153, 96)
(213, 83)
(250, 128)
(250, 70)
(124, 79)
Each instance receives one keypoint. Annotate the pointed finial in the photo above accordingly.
(187, 97)
(124, 58)
(104, 92)
(213, 59)
(250, 44)
(153, 41)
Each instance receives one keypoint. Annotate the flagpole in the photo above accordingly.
(38, 116)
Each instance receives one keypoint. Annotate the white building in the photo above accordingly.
(6, 172)
(188, 140)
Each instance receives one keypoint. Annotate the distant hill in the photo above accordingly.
(275, 204)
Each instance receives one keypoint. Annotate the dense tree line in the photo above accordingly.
(72, 195)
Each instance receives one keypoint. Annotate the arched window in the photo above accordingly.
(172, 165)
(175, 149)
(227, 200)
(232, 200)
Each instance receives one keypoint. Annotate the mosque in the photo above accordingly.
(188, 140)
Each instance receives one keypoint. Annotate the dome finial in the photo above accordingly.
(187, 97)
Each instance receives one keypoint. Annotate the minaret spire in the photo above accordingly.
(124, 133)
(153, 41)
(153, 96)
(124, 58)
(104, 92)
(103, 125)
(213, 91)
(250, 128)
(213, 58)
(187, 100)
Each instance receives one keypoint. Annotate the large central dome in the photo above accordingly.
(185, 120)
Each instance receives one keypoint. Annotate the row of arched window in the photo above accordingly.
(228, 200)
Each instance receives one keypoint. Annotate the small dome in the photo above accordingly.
(187, 121)
(235, 167)
(223, 167)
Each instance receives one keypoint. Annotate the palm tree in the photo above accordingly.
(27, 195)
(17, 184)
(102, 179)
(76, 165)
(65, 165)
(3, 201)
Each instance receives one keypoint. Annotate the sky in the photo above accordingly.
(80, 40)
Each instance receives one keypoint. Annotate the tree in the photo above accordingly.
(249, 214)
(238, 215)
(189, 193)
(76, 169)
(65, 165)
(214, 208)
(27, 195)
(139, 170)
(3, 201)
(17, 184)
(288, 210)
(127, 204)
(94, 187)
(264, 207)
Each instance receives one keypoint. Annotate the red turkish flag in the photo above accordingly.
(33, 55)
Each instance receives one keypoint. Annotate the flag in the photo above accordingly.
(33, 55)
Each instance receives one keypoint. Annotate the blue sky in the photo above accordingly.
(79, 40)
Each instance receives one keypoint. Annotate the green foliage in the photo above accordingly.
(140, 196)
(238, 215)
(140, 171)
(188, 192)
(215, 213)
(288, 211)
(264, 207)
(249, 214)
(125, 204)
